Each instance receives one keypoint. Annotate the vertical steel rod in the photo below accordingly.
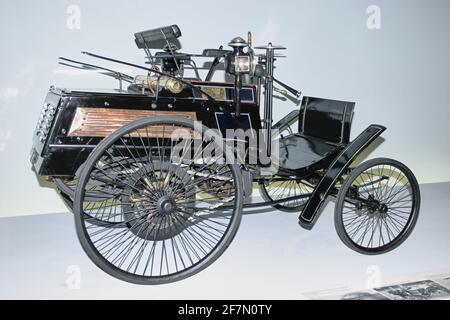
(268, 98)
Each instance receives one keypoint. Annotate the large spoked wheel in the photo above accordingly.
(278, 188)
(377, 206)
(179, 203)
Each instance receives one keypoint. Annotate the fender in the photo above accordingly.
(309, 215)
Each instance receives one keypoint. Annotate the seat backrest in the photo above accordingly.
(156, 38)
(326, 119)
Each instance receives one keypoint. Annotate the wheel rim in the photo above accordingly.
(380, 207)
(159, 239)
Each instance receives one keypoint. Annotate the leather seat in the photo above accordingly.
(324, 129)
(298, 152)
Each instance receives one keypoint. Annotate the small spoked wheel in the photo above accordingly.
(277, 188)
(178, 204)
(377, 206)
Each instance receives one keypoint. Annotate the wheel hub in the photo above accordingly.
(372, 204)
(376, 207)
(153, 214)
(165, 205)
(383, 208)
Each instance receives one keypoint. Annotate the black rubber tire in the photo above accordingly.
(118, 273)
(409, 226)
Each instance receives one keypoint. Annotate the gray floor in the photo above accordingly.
(270, 258)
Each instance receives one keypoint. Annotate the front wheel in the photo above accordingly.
(179, 204)
(377, 206)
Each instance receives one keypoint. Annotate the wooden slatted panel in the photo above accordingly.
(101, 122)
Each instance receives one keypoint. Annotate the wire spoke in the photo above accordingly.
(380, 206)
(162, 208)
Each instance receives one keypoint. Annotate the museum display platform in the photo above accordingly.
(271, 258)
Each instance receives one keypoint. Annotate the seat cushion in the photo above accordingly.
(298, 151)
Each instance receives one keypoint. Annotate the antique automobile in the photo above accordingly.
(146, 167)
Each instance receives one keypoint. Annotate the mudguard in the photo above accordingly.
(309, 214)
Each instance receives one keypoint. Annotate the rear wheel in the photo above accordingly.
(377, 206)
(178, 211)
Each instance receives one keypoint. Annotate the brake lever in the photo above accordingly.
(260, 72)
(280, 91)
(296, 93)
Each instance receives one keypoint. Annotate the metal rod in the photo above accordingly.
(171, 50)
(149, 55)
(85, 66)
(212, 68)
(237, 93)
(213, 101)
(269, 203)
(296, 93)
(194, 66)
(268, 98)
(157, 72)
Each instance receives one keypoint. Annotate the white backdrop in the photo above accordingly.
(399, 75)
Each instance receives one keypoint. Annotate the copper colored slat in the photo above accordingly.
(101, 122)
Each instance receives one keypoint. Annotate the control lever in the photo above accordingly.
(213, 65)
(260, 72)
(296, 93)
(280, 91)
